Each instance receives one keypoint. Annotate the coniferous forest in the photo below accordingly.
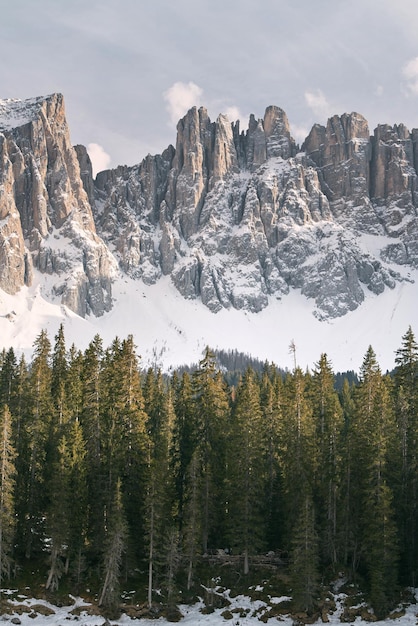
(114, 476)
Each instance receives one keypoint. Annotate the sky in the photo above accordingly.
(130, 69)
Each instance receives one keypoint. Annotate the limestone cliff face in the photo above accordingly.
(234, 217)
(370, 181)
(238, 217)
(44, 204)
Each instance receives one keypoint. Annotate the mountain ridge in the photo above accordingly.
(234, 219)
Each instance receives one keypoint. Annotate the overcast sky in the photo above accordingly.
(129, 69)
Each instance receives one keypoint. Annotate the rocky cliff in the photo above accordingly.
(46, 217)
(234, 217)
(238, 217)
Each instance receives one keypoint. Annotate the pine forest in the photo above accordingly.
(113, 477)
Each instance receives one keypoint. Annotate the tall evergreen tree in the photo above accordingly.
(59, 378)
(212, 413)
(183, 440)
(349, 515)
(297, 448)
(304, 574)
(327, 413)
(38, 429)
(375, 429)
(7, 484)
(91, 419)
(160, 486)
(8, 378)
(271, 400)
(406, 404)
(192, 523)
(115, 545)
(247, 472)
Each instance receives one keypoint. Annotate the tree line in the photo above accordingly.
(105, 467)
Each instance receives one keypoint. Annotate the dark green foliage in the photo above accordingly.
(108, 471)
(247, 473)
(304, 571)
(7, 483)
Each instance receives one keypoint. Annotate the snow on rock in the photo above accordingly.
(170, 331)
(243, 609)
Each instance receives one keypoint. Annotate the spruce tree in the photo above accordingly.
(114, 548)
(406, 411)
(192, 519)
(91, 420)
(159, 520)
(7, 485)
(183, 440)
(271, 400)
(212, 412)
(304, 573)
(8, 378)
(327, 413)
(38, 427)
(297, 449)
(58, 515)
(375, 430)
(247, 472)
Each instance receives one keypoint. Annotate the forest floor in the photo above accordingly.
(218, 605)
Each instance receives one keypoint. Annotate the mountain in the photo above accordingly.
(236, 234)
(47, 222)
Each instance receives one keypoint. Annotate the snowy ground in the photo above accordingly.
(171, 331)
(245, 613)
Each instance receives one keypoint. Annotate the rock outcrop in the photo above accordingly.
(47, 222)
(238, 217)
(234, 217)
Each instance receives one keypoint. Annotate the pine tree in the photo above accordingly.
(212, 412)
(247, 471)
(67, 511)
(114, 548)
(375, 430)
(130, 441)
(38, 429)
(8, 378)
(192, 525)
(327, 413)
(349, 517)
(91, 420)
(406, 403)
(7, 484)
(304, 572)
(58, 515)
(183, 440)
(297, 448)
(160, 516)
(78, 503)
(20, 440)
(271, 399)
(59, 378)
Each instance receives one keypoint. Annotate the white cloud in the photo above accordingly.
(410, 74)
(318, 103)
(181, 97)
(100, 160)
(233, 113)
(299, 133)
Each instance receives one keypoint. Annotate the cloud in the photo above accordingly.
(181, 97)
(318, 103)
(299, 133)
(100, 160)
(410, 74)
(233, 113)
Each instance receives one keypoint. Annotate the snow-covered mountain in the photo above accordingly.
(232, 239)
